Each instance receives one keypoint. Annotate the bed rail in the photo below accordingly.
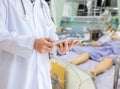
(116, 73)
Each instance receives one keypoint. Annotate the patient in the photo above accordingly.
(104, 52)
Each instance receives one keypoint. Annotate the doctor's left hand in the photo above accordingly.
(65, 46)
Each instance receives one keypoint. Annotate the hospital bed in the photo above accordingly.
(116, 73)
(107, 80)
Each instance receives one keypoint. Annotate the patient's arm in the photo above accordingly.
(95, 43)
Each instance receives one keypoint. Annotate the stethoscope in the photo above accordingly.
(45, 13)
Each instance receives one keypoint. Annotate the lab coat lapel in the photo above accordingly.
(38, 19)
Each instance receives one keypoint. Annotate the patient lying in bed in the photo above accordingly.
(105, 53)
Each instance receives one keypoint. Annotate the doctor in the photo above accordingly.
(26, 36)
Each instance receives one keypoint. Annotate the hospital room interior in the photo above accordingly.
(93, 23)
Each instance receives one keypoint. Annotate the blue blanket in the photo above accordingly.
(98, 53)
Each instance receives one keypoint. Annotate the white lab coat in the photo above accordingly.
(21, 67)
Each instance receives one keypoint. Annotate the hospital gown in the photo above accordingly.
(98, 53)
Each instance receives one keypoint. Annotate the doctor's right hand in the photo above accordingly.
(43, 45)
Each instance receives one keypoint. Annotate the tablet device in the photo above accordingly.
(69, 39)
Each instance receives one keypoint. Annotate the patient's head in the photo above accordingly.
(115, 36)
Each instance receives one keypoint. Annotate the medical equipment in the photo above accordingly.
(119, 13)
(25, 16)
(89, 6)
(57, 75)
(116, 73)
(103, 1)
(80, 79)
(44, 11)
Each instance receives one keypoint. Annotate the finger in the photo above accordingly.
(66, 46)
(61, 46)
(61, 51)
(46, 49)
(48, 44)
(49, 39)
(73, 43)
(57, 45)
(76, 42)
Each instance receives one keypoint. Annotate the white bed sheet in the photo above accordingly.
(102, 81)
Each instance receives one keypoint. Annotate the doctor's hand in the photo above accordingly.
(66, 46)
(43, 45)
